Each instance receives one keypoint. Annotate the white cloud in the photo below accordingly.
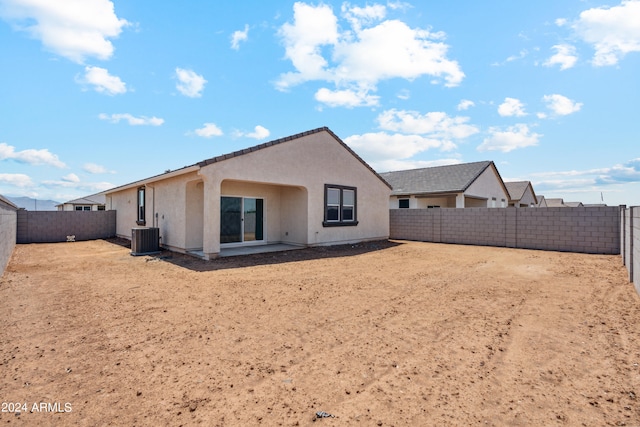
(514, 137)
(132, 120)
(259, 132)
(589, 179)
(209, 130)
(465, 104)
(30, 156)
(561, 22)
(89, 187)
(346, 98)
(102, 81)
(511, 107)
(435, 124)
(239, 36)
(613, 32)
(361, 16)
(16, 179)
(404, 94)
(382, 146)
(561, 105)
(408, 133)
(190, 83)
(355, 60)
(565, 56)
(74, 29)
(95, 169)
(72, 177)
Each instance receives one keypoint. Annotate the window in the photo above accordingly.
(101, 207)
(82, 208)
(141, 202)
(340, 206)
(403, 203)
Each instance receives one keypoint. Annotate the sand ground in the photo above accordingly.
(386, 334)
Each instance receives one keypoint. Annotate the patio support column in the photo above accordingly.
(460, 200)
(211, 229)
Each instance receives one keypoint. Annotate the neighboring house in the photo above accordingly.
(542, 201)
(521, 194)
(95, 202)
(465, 185)
(555, 203)
(306, 189)
(573, 204)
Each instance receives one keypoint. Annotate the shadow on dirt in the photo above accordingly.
(240, 261)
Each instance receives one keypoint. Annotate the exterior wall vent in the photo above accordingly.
(145, 240)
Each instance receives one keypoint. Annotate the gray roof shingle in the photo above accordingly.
(516, 189)
(438, 179)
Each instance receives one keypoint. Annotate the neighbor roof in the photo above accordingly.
(94, 199)
(438, 179)
(7, 202)
(555, 203)
(197, 166)
(517, 189)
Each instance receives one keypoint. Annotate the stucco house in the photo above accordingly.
(465, 185)
(542, 201)
(306, 189)
(555, 203)
(521, 194)
(94, 202)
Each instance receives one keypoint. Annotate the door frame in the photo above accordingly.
(264, 222)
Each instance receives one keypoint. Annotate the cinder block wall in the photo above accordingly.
(636, 247)
(8, 220)
(587, 230)
(55, 226)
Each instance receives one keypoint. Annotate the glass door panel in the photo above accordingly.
(230, 219)
(253, 216)
(241, 219)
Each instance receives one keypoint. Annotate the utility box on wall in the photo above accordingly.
(145, 240)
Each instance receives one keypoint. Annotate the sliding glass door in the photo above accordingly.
(241, 219)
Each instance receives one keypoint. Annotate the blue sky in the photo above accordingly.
(98, 93)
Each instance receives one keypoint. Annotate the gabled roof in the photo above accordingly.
(517, 189)
(438, 179)
(197, 166)
(555, 203)
(7, 202)
(94, 199)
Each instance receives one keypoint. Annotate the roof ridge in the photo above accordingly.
(439, 166)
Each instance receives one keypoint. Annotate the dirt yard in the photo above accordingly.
(386, 334)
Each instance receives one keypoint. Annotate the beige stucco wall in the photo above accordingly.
(168, 199)
(307, 163)
(527, 198)
(290, 176)
(284, 218)
(488, 185)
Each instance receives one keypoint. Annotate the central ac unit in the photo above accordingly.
(145, 241)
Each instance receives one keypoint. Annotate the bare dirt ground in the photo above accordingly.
(387, 334)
